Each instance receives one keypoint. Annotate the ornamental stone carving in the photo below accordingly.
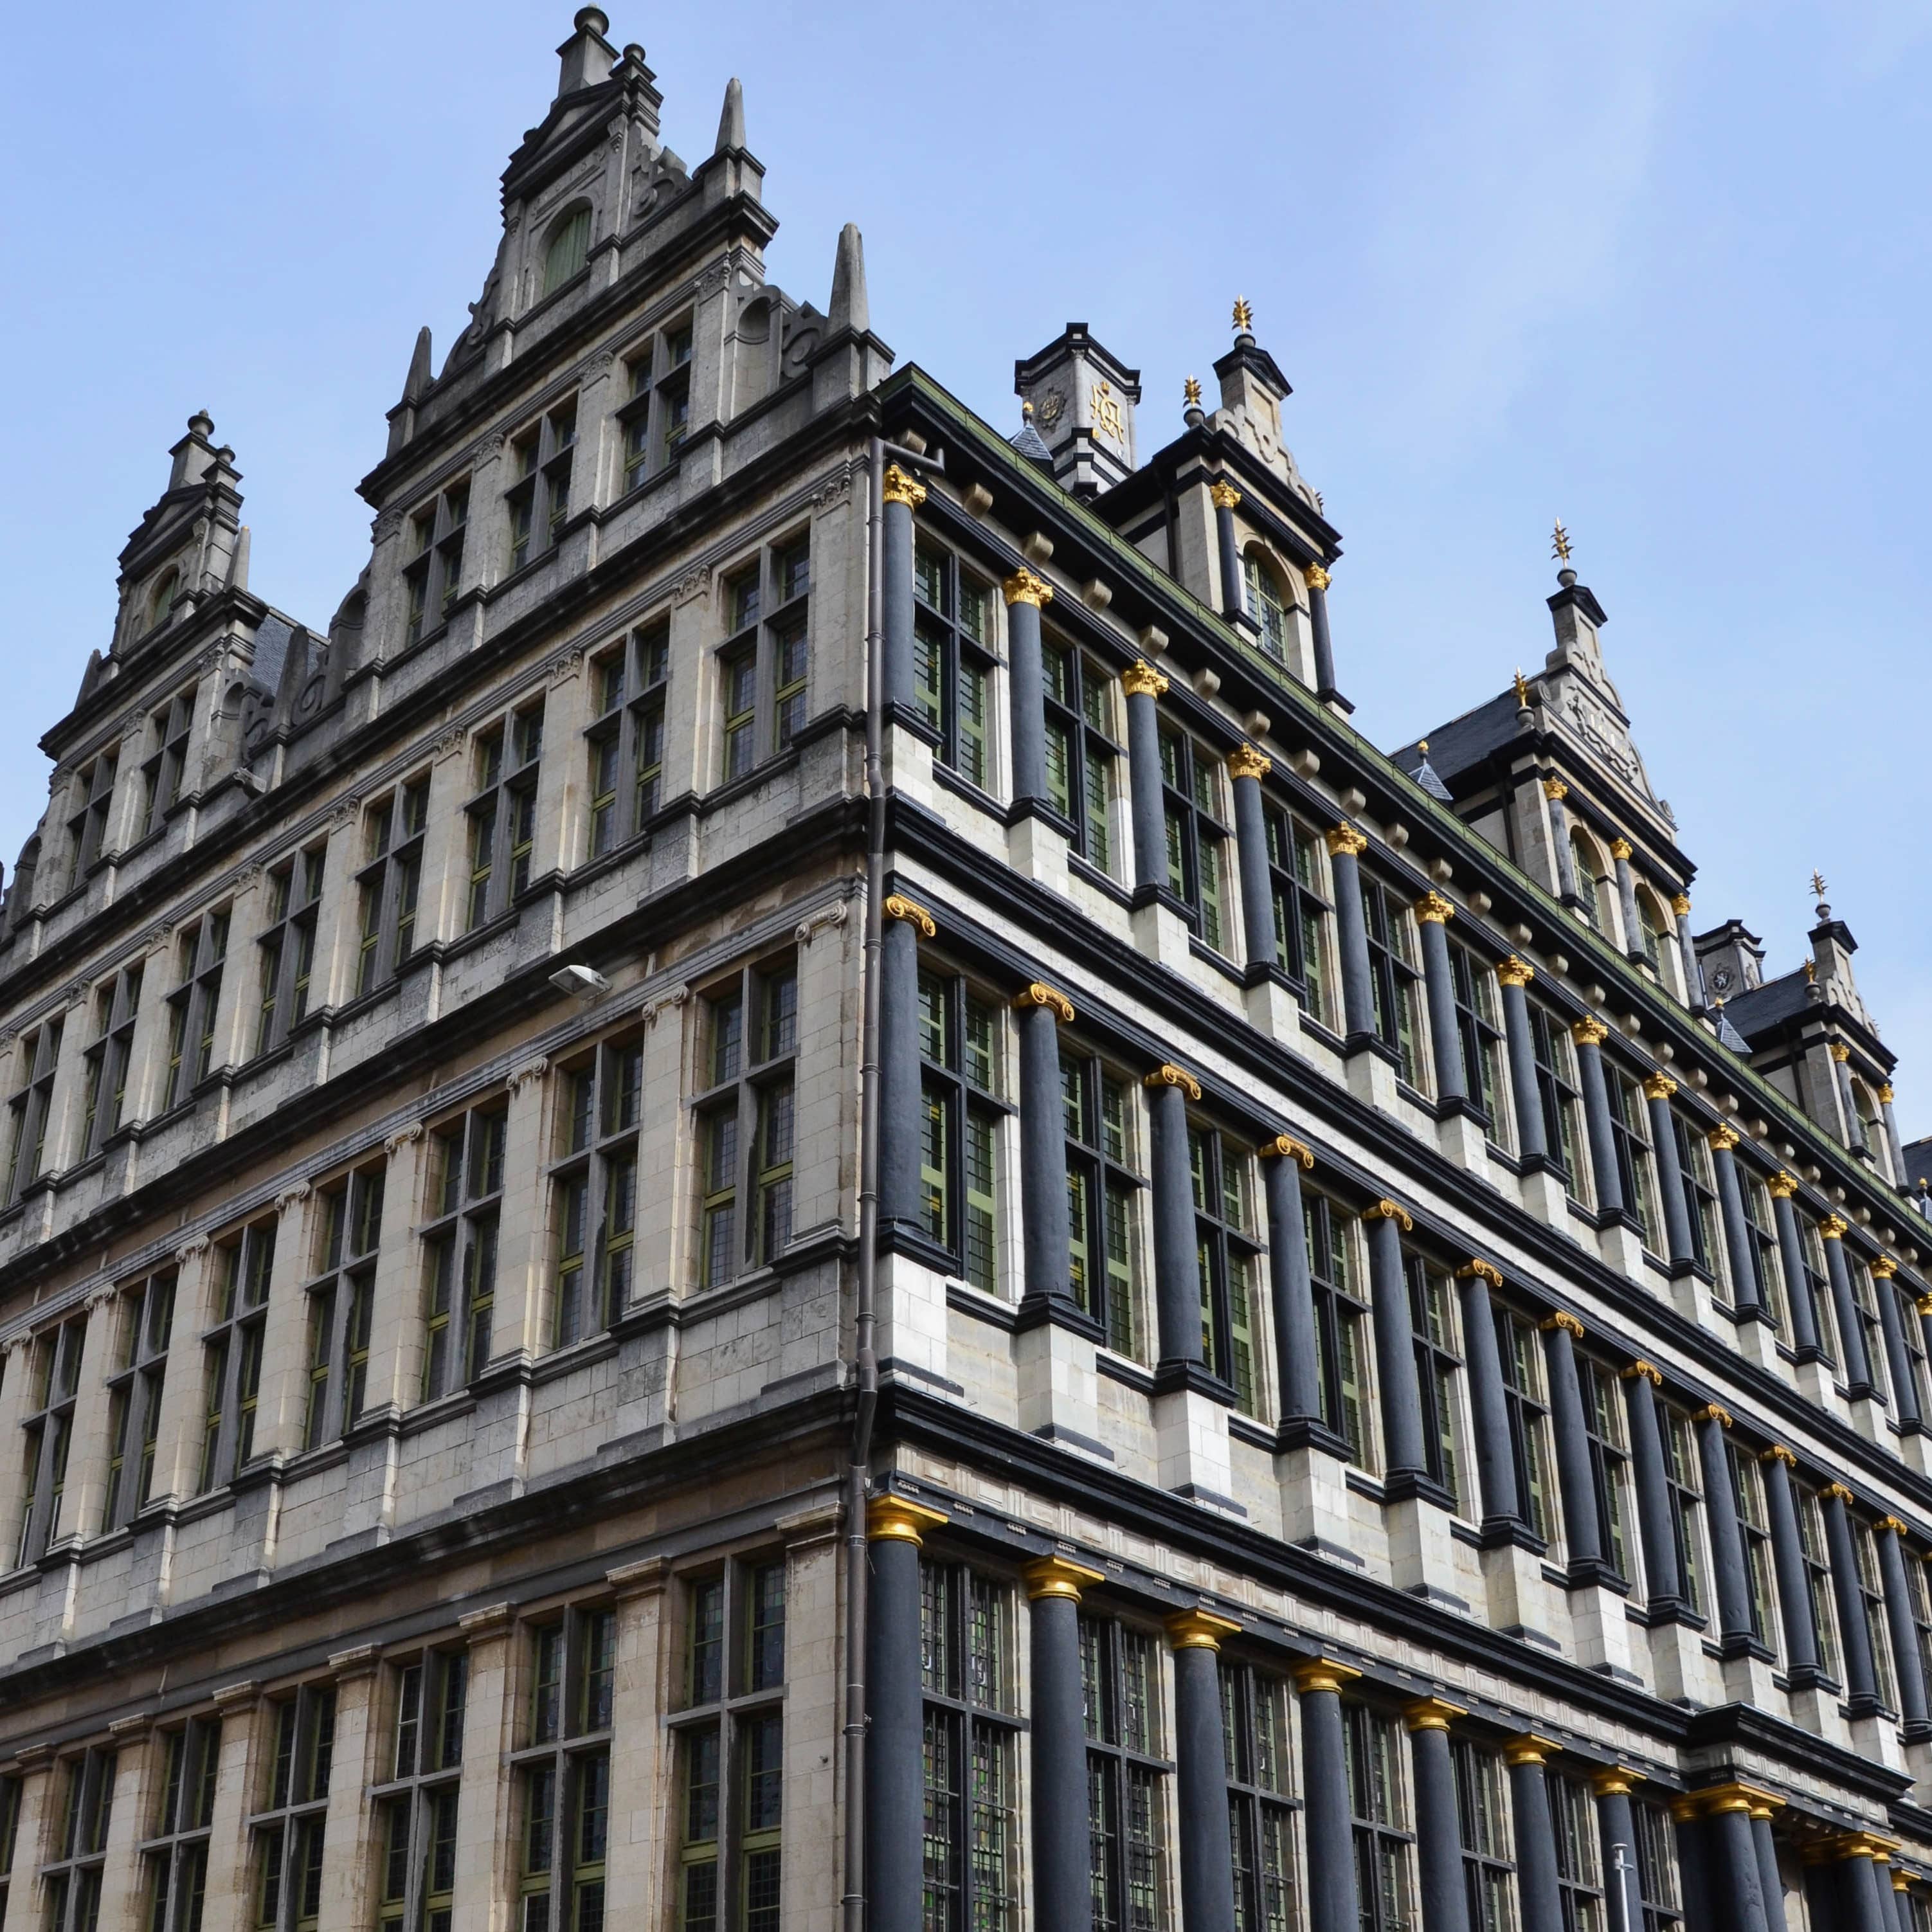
(1285, 1146)
(1024, 586)
(901, 486)
(898, 906)
(1039, 994)
(1432, 909)
(1245, 762)
(1515, 972)
(1345, 842)
(1168, 1075)
(1477, 1270)
(1140, 679)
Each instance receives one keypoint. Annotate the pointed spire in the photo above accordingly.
(850, 308)
(416, 385)
(731, 122)
(1029, 441)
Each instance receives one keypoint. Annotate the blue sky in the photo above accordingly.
(1661, 269)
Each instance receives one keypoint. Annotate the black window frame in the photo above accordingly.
(1197, 818)
(594, 1186)
(1085, 750)
(1227, 1246)
(231, 1346)
(464, 1203)
(626, 739)
(414, 1806)
(433, 577)
(537, 502)
(1434, 1325)
(1380, 1819)
(962, 1070)
(764, 664)
(1395, 976)
(1343, 1322)
(1105, 1188)
(32, 1105)
(562, 1773)
(134, 1391)
(1257, 1732)
(1485, 1828)
(47, 1426)
(656, 417)
(287, 946)
(1480, 1041)
(1606, 1430)
(90, 821)
(1753, 1507)
(1579, 1875)
(175, 1855)
(953, 659)
(1526, 1407)
(1304, 907)
(72, 1880)
(1630, 1147)
(388, 882)
(164, 770)
(1128, 1775)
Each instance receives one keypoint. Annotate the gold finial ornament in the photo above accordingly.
(1522, 690)
(1345, 842)
(1817, 884)
(1039, 994)
(1224, 495)
(1245, 762)
(898, 907)
(1387, 1210)
(1432, 909)
(1190, 392)
(1168, 1075)
(1025, 587)
(1244, 316)
(1140, 679)
(1589, 1032)
(1811, 970)
(1515, 972)
(1559, 543)
(1285, 1147)
(1478, 1270)
(1318, 578)
(1554, 789)
(901, 486)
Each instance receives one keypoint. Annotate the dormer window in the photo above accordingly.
(160, 600)
(1266, 605)
(569, 249)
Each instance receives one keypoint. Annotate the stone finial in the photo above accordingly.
(850, 307)
(416, 384)
(731, 122)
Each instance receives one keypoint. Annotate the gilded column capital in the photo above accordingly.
(1782, 1186)
(1883, 1268)
(1223, 496)
(1714, 1412)
(899, 1519)
(1199, 1630)
(1318, 578)
(1039, 994)
(1614, 1780)
(901, 486)
(898, 906)
(1245, 762)
(1717, 1799)
(1647, 1371)
(1321, 1673)
(1387, 1210)
(1555, 790)
(1621, 848)
(1565, 1320)
(1864, 1845)
(1475, 1269)
(1140, 679)
(1659, 1087)
(1515, 972)
(1168, 1075)
(1432, 1713)
(1924, 1304)
(1722, 1138)
(1528, 1749)
(1345, 841)
(1680, 904)
(1025, 587)
(1432, 909)
(1778, 1453)
(1895, 1524)
(1058, 1577)
(1838, 1492)
(1589, 1031)
(1886, 1096)
(1285, 1146)
(1833, 1228)
(1839, 1052)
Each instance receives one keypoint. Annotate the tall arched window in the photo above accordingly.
(1590, 880)
(1266, 605)
(569, 248)
(160, 598)
(1652, 930)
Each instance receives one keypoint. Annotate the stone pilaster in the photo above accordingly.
(348, 1883)
(486, 1824)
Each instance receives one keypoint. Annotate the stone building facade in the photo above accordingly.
(788, 1194)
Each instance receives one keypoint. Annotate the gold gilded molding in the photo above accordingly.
(1659, 1087)
(1883, 1268)
(1647, 1370)
(1834, 1227)
(1555, 790)
(1477, 1269)
(1886, 1096)
(1140, 679)
(1722, 1138)
(1283, 1146)
(1245, 762)
(1199, 1630)
(1038, 993)
(899, 1520)
(901, 487)
(1528, 1749)
(1025, 587)
(1318, 578)
(1680, 904)
(1589, 1031)
(898, 907)
(1782, 1186)
(1432, 1713)
(1893, 1523)
(1614, 1780)
(1168, 1075)
(1387, 1210)
(1432, 909)
(1321, 1673)
(1058, 1577)
(1224, 495)
(1515, 972)
(1345, 841)
(1564, 1320)
(1839, 1491)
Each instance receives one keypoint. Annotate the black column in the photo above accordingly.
(1686, 954)
(902, 495)
(900, 1110)
(1405, 1457)
(1247, 768)
(1841, 1073)
(1794, 1579)
(1739, 1879)
(1589, 1035)
(1731, 1585)
(1042, 1010)
(1791, 1254)
(1693, 1873)
(1861, 1680)
(1657, 1092)
(1176, 1256)
(1616, 1826)
(1326, 1817)
(1489, 1410)
(1345, 846)
(1891, 1325)
(1318, 629)
(1143, 685)
(1582, 1533)
(1224, 496)
(1538, 1892)
(1857, 1362)
(1297, 1361)
(1902, 1626)
(1432, 914)
(1739, 1242)
(1865, 1886)
(1771, 1880)
(1513, 975)
(1620, 857)
(1654, 1518)
(1556, 791)
(895, 1716)
(1062, 1885)
(1026, 677)
(1438, 1839)
(1201, 1771)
